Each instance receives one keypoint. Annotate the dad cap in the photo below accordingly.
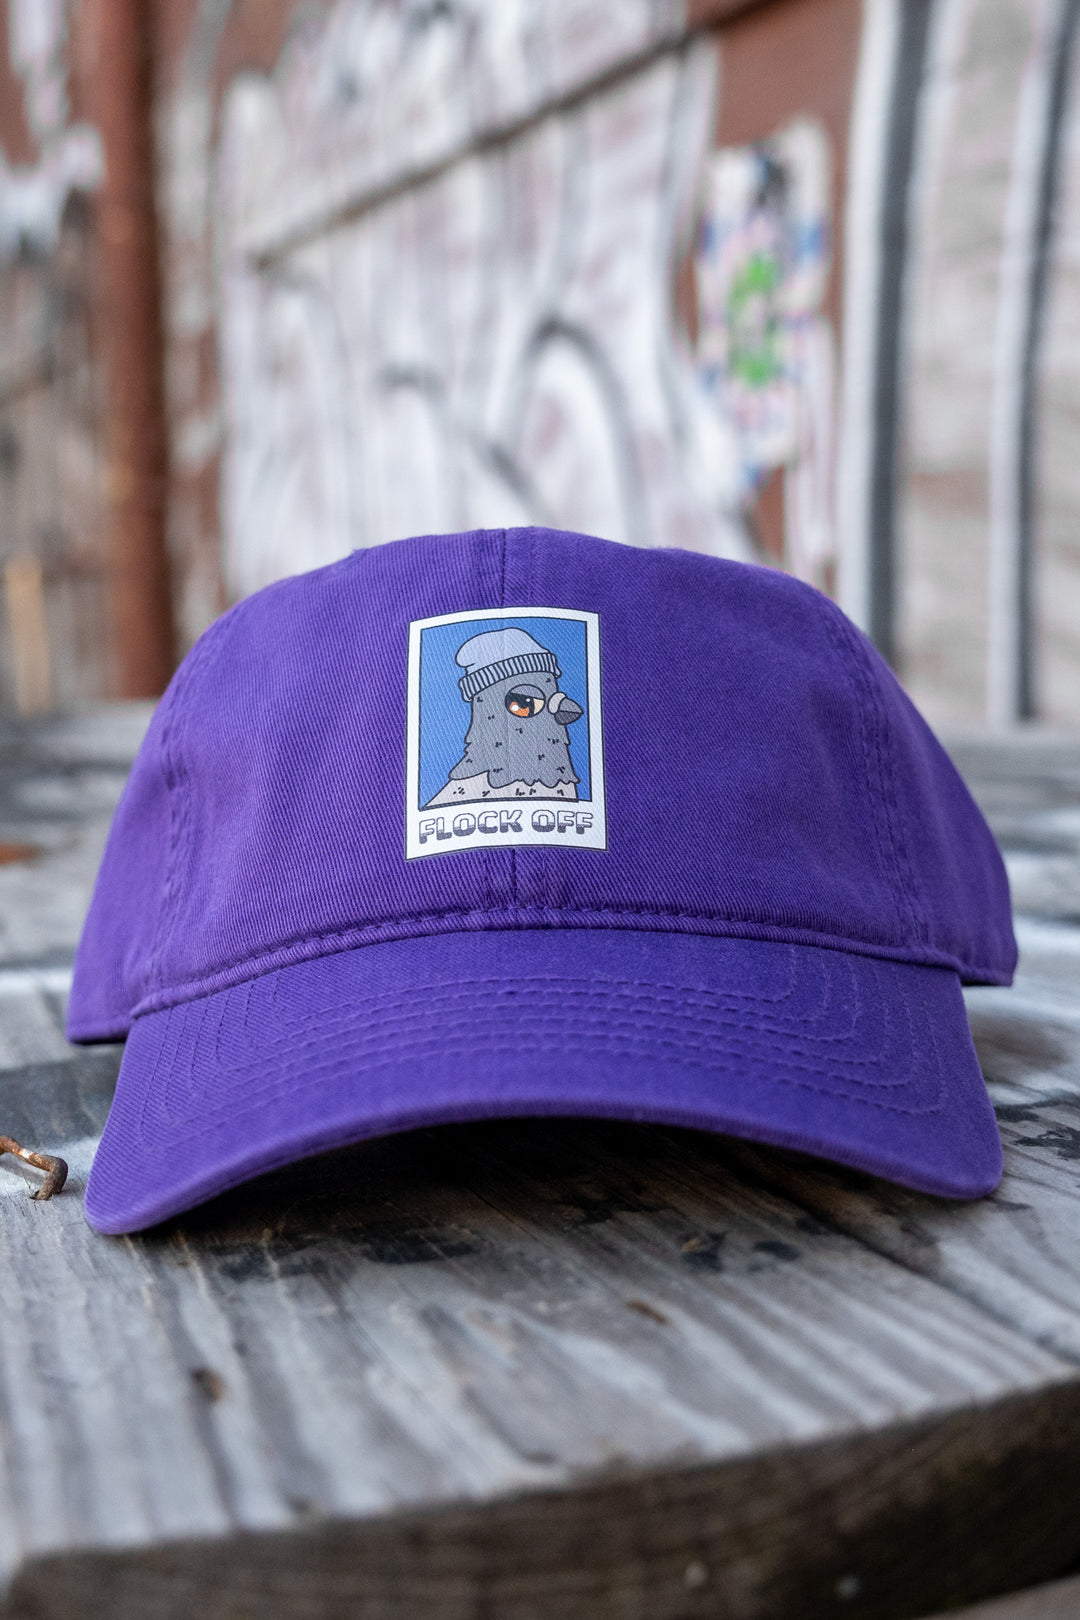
(701, 862)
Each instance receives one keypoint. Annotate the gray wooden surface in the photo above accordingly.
(1056, 1600)
(540, 1371)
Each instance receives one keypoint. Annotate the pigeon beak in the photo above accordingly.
(564, 709)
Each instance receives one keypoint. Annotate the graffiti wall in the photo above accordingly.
(467, 271)
(764, 346)
(791, 281)
(51, 569)
(472, 327)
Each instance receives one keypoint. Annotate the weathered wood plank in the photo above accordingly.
(1057, 1600)
(1014, 1255)
(456, 1313)
(449, 1317)
(538, 1369)
(882, 1523)
(59, 783)
(1028, 785)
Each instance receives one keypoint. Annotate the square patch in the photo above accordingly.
(505, 740)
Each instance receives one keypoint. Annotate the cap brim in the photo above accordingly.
(864, 1061)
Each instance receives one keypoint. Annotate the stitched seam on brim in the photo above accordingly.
(313, 946)
(315, 1071)
(648, 1005)
(628, 1036)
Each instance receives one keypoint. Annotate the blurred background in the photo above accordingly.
(794, 281)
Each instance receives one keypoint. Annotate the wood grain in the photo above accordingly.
(1054, 1600)
(882, 1523)
(535, 1370)
(59, 784)
(1014, 1255)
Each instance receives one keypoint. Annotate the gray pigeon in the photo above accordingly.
(517, 745)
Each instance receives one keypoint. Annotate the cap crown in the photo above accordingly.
(766, 777)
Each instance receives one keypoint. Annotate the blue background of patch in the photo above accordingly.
(445, 717)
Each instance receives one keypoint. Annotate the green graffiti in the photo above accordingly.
(753, 321)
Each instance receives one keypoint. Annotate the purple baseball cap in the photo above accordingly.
(518, 822)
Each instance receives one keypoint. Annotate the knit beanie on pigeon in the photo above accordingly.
(496, 654)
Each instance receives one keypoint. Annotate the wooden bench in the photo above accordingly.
(538, 1370)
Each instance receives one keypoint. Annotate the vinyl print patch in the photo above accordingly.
(505, 744)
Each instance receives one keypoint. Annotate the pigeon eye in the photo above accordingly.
(524, 704)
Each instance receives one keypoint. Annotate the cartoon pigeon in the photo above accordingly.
(517, 745)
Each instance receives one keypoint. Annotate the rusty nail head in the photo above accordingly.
(56, 1169)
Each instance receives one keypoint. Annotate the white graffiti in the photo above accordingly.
(33, 196)
(446, 283)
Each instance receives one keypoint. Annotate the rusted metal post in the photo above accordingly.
(115, 55)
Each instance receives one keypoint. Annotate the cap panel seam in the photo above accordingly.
(177, 781)
(849, 653)
(154, 976)
(166, 712)
(886, 752)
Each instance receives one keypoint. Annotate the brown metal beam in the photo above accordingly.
(114, 50)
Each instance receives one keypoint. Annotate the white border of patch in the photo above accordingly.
(420, 842)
